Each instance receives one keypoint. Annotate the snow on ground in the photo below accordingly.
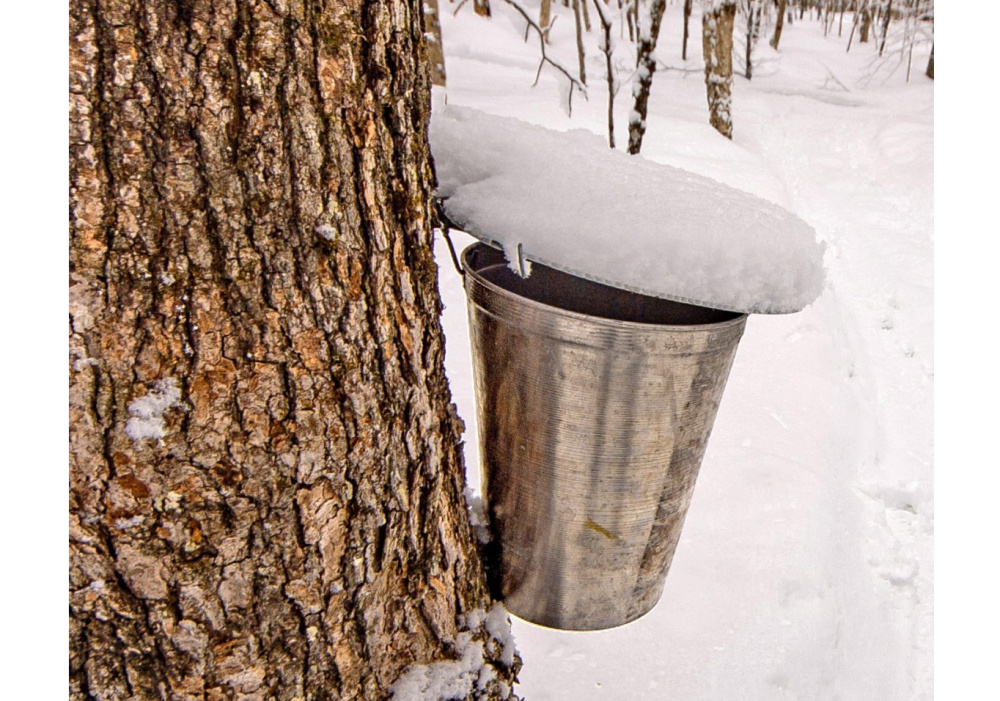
(805, 570)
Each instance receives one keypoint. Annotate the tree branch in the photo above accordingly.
(542, 33)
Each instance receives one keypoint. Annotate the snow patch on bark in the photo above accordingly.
(477, 517)
(148, 411)
(458, 678)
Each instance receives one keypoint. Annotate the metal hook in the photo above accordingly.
(520, 262)
(446, 225)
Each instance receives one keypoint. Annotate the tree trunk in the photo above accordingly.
(435, 44)
(545, 17)
(779, 24)
(717, 44)
(887, 16)
(646, 67)
(753, 20)
(866, 22)
(930, 65)
(687, 19)
(482, 7)
(266, 484)
(580, 50)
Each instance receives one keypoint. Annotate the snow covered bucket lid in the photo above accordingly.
(567, 201)
(595, 407)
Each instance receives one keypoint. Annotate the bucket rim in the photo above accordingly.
(738, 320)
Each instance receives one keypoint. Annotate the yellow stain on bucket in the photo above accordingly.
(600, 529)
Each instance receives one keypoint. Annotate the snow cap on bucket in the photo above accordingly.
(567, 201)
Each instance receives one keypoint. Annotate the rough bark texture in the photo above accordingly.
(265, 471)
(717, 44)
(645, 68)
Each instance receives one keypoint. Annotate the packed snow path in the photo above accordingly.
(805, 570)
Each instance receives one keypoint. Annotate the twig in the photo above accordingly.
(607, 50)
(455, 13)
(573, 82)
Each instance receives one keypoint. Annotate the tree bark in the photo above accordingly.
(753, 28)
(266, 483)
(482, 7)
(545, 17)
(779, 24)
(435, 43)
(866, 22)
(581, 57)
(930, 65)
(887, 16)
(717, 44)
(646, 67)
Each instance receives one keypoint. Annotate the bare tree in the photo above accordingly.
(887, 15)
(435, 45)
(687, 17)
(545, 18)
(581, 51)
(779, 24)
(866, 20)
(751, 10)
(266, 480)
(607, 48)
(645, 68)
(717, 44)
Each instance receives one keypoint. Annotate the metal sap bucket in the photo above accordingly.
(595, 406)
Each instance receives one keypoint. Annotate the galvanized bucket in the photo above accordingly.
(595, 406)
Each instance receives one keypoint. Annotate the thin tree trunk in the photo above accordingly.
(580, 51)
(607, 49)
(866, 22)
(266, 484)
(435, 46)
(717, 44)
(545, 17)
(687, 18)
(840, 27)
(482, 7)
(646, 67)
(885, 27)
(586, 15)
(779, 24)
(752, 10)
(930, 65)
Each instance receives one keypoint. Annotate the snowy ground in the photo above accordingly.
(805, 570)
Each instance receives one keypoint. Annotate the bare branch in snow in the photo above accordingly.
(545, 59)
